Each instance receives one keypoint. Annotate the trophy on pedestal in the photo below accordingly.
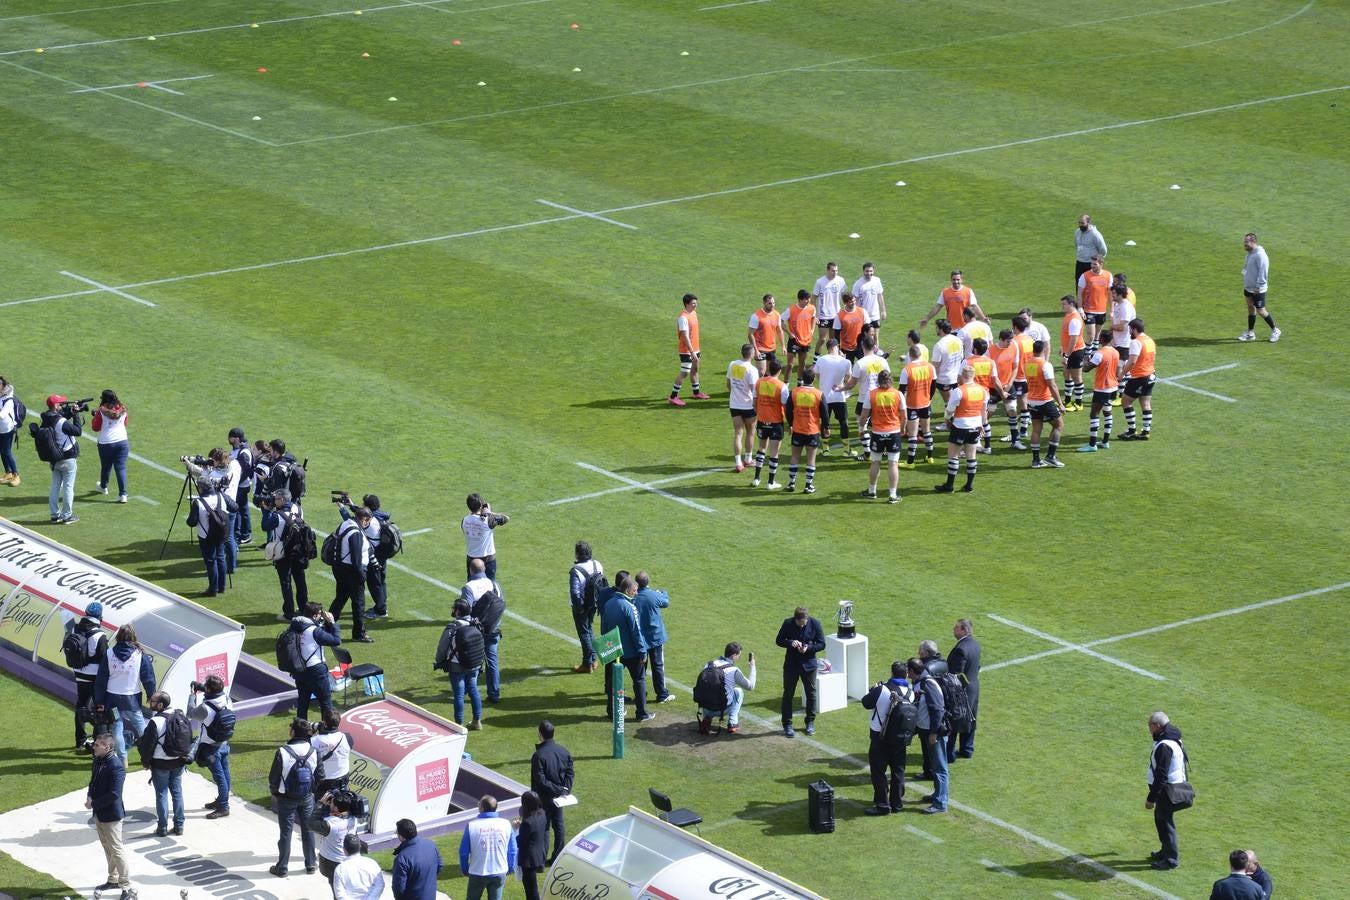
(847, 627)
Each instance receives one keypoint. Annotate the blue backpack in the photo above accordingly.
(300, 779)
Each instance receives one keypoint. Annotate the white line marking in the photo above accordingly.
(160, 87)
(132, 84)
(418, 614)
(1079, 647)
(1203, 371)
(1194, 390)
(730, 5)
(92, 9)
(1002, 870)
(428, 4)
(144, 499)
(111, 290)
(418, 531)
(50, 297)
(1315, 592)
(646, 487)
(919, 832)
(588, 215)
(629, 487)
(1060, 895)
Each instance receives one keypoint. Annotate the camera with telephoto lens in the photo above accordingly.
(71, 407)
(196, 687)
(343, 498)
(197, 460)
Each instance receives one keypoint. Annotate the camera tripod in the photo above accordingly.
(185, 492)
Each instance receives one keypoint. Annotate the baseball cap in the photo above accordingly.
(94, 610)
(55, 400)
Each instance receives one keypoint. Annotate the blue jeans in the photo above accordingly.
(113, 457)
(300, 808)
(63, 488)
(313, 680)
(245, 522)
(733, 708)
(466, 681)
(231, 548)
(218, 764)
(214, 557)
(168, 782)
(127, 708)
(492, 884)
(494, 672)
(940, 790)
(7, 451)
(585, 631)
(656, 662)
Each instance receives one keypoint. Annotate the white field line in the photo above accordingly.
(631, 487)
(160, 87)
(1195, 390)
(418, 531)
(91, 9)
(429, 4)
(588, 215)
(145, 499)
(1223, 613)
(417, 614)
(132, 84)
(1079, 647)
(1060, 895)
(1045, 843)
(995, 867)
(919, 832)
(111, 290)
(646, 487)
(655, 203)
(964, 41)
(124, 98)
(730, 5)
(1222, 368)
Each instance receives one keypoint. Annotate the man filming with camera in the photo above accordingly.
(225, 473)
(381, 547)
(479, 540)
(349, 570)
(210, 514)
(282, 521)
(55, 438)
(209, 705)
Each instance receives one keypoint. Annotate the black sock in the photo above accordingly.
(1251, 322)
(1269, 320)
(972, 466)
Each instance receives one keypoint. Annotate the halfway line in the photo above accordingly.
(730, 5)
(588, 215)
(630, 487)
(111, 290)
(646, 487)
(1069, 645)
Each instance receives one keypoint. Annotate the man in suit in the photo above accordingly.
(964, 660)
(1259, 875)
(801, 638)
(1238, 885)
(1167, 765)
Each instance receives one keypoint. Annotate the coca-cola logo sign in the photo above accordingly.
(388, 733)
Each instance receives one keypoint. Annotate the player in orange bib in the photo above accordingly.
(1072, 350)
(958, 302)
(1044, 403)
(1025, 353)
(888, 412)
(917, 379)
(770, 393)
(986, 376)
(848, 327)
(686, 337)
(806, 410)
(1139, 375)
(800, 324)
(967, 416)
(765, 331)
(1006, 357)
(1094, 296)
(1105, 363)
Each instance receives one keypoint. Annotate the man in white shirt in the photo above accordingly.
(831, 370)
(829, 287)
(863, 375)
(948, 354)
(358, 877)
(1122, 313)
(478, 527)
(871, 296)
(487, 851)
(1255, 274)
(742, 376)
(1035, 330)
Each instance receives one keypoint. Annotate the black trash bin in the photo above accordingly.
(820, 807)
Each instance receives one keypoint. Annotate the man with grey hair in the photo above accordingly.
(964, 662)
(936, 667)
(1087, 243)
(1167, 765)
(1255, 270)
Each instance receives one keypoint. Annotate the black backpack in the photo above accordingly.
(328, 553)
(488, 610)
(299, 543)
(591, 586)
(221, 728)
(175, 739)
(290, 659)
(956, 715)
(391, 540)
(47, 443)
(20, 411)
(710, 688)
(462, 643)
(299, 780)
(288, 474)
(902, 717)
(217, 522)
(75, 647)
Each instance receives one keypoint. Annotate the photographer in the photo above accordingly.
(280, 517)
(9, 430)
(110, 423)
(123, 671)
(335, 749)
(225, 474)
(349, 570)
(333, 822)
(479, 542)
(317, 630)
(380, 548)
(213, 747)
(164, 748)
(61, 425)
(241, 454)
(295, 771)
(210, 513)
(89, 632)
(283, 471)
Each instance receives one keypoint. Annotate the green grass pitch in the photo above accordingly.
(377, 281)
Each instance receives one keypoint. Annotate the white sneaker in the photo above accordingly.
(1053, 462)
(754, 482)
(1275, 336)
(1006, 439)
(101, 488)
(774, 486)
(1247, 336)
(121, 498)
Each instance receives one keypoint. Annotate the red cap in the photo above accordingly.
(55, 400)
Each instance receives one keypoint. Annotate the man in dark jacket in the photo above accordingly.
(317, 630)
(1259, 875)
(63, 418)
(349, 571)
(1167, 765)
(617, 611)
(928, 697)
(90, 631)
(801, 638)
(416, 863)
(889, 741)
(936, 666)
(1238, 885)
(964, 663)
(551, 777)
(105, 799)
(649, 602)
(293, 797)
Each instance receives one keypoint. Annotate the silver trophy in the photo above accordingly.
(847, 627)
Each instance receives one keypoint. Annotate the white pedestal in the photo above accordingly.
(849, 658)
(831, 693)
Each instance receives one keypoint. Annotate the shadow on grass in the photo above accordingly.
(1071, 868)
(649, 403)
(1187, 341)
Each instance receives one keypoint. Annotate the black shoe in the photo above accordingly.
(931, 811)
(161, 831)
(1162, 864)
(1155, 855)
(943, 488)
(218, 814)
(877, 811)
(365, 639)
(869, 495)
(277, 871)
(214, 804)
(810, 727)
(965, 754)
(927, 798)
(646, 717)
(86, 748)
(376, 615)
(968, 489)
(788, 732)
(108, 886)
(245, 540)
(310, 870)
(177, 831)
(922, 776)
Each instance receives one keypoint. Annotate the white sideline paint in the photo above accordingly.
(588, 215)
(839, 754)
(418, 614)
(418, 531)
(645, 487)
(1195, 390)
(1068, 645)
(111, 290)
(919, 832)
(654, 203)
(1060, 895)
(1223, 613)
(631, 487)
(92, 9)
(995, 867)
(153, 84)
(730, 5)
(144, 499)
(1173, 379)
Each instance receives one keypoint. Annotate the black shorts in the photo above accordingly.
(1075, 359)
(1258, 298)
(1101, 398)
(688, 357)
(770, 431)
(1045, 412)
(794, 347)
(923, 412)
(839, 411)
(742, 413)
(1094, 318)
(825, 323)
(805, 440)
(964, 436)
(945, 386)
(1019, 390)
(766, 356)
(1139, 387)
(887, 443)
(852, 355)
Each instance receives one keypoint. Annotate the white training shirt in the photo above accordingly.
(478, 540)
(827, 293)
(972, 330)
(831, 372)
(867, 291)
(947, 357)
(743, 376)
(866, 371)
(1121, 311)
(1038, 332)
